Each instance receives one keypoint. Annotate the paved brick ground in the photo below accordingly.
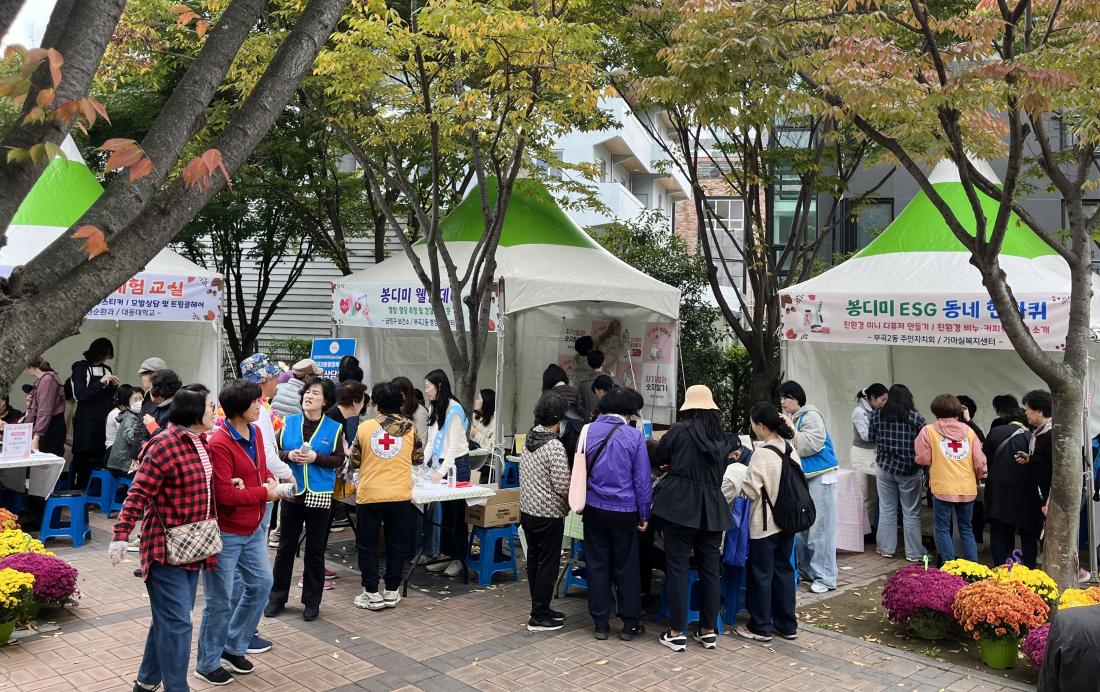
(471, 641)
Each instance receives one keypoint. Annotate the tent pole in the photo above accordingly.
(1090, 506)
(498, 422)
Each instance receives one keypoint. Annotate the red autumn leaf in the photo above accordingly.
(94, 242)
(141, 169)
(56, 60)
(98, 108)
(44, 97)
(196, 173)
(186, 18)
(125, 156)
(67, 110)
(213, 160)
(201, 27)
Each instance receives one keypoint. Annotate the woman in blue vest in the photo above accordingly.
(313, 445)
(816, 547)
(448, 449)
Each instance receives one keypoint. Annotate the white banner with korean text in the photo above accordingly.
(157, 297)
(890, 320)
(395, 306)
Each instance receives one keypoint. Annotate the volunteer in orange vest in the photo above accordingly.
(957, 462)
(385, 450)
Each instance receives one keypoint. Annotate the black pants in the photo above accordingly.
(1002, 541)
(398, 518)
(680, 542)
(611, 555)
(543, 559)
(649, 557)
(770, 588)
(295, 516)
(84, 462)
(455, 535)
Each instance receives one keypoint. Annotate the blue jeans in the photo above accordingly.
(941, 519)
(899, 493)
(238, 582)
(228, 625)
(816, 547)
(168, 644)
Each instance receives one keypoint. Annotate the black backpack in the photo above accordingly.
(793, 509)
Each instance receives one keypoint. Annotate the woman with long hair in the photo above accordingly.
(412, 406)
(770, 586)
(172, 488)
(894, 428)
(46, 408)
(313, 445)
(694, 513)
(448, 450)
(94, 387)
(481, 418)
(862, 453)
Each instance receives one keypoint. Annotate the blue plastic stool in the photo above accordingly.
(693, 597)
(122, 486)
(101, 490)
(571, 579)
(733, 592)
(491, 558)
(509, 478)
(78, 527)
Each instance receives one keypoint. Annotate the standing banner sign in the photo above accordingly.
(162, 298)
(17, 441)
(639, 354)
(328, 352)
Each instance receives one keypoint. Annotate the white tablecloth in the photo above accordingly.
(441, 492)
(45, 469)
(851, 517)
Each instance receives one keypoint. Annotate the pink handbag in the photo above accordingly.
(578, 481)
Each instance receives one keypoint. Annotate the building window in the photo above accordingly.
(643, 198)
(783, 219)
(729, 215)
(863, 222)
(708, 170)
(601, 168)
(548, 168)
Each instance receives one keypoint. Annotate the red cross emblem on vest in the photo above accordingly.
(385, 442)
(955, 446)
(385, 445)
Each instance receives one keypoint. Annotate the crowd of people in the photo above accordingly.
(218, 479)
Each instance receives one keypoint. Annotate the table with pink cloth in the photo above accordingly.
(851, 517)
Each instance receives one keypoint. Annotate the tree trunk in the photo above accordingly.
(1060, 558)
(764, 379)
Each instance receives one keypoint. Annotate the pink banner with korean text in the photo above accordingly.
(166, 298)
(641, 355)
(913, 320)
(395, 306)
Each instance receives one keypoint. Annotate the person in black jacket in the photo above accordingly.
(94, 387)
(154, 410)
(693, 513)
(1012, 500)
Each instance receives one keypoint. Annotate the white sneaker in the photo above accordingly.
(454, 569)
(369, 600)
(819, 588)
(1083, 575)
(438, 567)
(391, 598)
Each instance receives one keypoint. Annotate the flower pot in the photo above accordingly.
(932, 627)
(6, 629)
(1000, 653)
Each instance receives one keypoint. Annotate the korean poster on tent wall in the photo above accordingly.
(914, 320)
(639, 354)
(396, 305)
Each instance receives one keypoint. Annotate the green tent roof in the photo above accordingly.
(533, 217)
(920, 227)
(64, 191)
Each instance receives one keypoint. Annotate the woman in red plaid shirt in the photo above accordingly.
(172, 488)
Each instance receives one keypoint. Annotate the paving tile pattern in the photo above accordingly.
(471, 641)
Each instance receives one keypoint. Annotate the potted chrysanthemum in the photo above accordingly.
(998, 614)
(967, 569)
(54, 580)
(922, 598)
(16, 589)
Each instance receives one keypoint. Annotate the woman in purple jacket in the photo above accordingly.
(616, 512)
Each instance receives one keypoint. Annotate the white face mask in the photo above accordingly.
(136, 407)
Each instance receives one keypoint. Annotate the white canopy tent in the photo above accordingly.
(554, 284)
(910, 309)
(172, 309)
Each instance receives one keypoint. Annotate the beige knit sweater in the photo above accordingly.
(765, 468)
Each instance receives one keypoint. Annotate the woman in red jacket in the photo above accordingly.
(242, 488)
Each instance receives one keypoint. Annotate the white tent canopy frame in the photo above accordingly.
(546, 279)
(189, 341)
(833, 362)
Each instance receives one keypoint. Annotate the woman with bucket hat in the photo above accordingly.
(693, 513)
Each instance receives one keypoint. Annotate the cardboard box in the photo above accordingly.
(501, 509)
